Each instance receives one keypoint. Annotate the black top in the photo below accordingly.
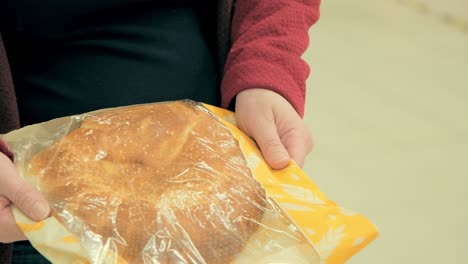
(70, 57)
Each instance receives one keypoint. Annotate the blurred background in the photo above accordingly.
(388, 105)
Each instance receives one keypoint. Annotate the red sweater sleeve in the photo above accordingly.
(268, 40)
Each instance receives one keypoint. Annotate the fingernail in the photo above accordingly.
(283, 158)
(280, 163)
(41, 210)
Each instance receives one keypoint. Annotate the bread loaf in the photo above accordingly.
(160, 183)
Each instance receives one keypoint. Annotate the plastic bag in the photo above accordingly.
(173, 182)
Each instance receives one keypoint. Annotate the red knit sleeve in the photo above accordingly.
(268, 40)
(5, 150)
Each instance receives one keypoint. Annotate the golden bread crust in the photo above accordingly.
(164, 181)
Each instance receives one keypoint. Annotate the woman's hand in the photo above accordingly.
(275, 125)
(15, 190)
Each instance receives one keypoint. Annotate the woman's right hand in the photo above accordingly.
(15, 190)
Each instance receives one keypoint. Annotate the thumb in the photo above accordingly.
(266, 135)
(20, 193)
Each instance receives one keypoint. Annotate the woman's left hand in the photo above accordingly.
(274, 124)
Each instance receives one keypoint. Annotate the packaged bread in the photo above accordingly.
(173, 182)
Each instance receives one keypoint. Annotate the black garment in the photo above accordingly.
(24, 253)
(97, 54)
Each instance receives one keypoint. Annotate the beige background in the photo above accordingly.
(388, 104)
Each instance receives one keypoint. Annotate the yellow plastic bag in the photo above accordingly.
(288, 221)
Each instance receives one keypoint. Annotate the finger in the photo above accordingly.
(267, 138)
(20, 193)
(4, 202)
(297, 149)
(9, 231)
(298, 142)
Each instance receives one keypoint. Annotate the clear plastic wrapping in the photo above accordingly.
(156, 183)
